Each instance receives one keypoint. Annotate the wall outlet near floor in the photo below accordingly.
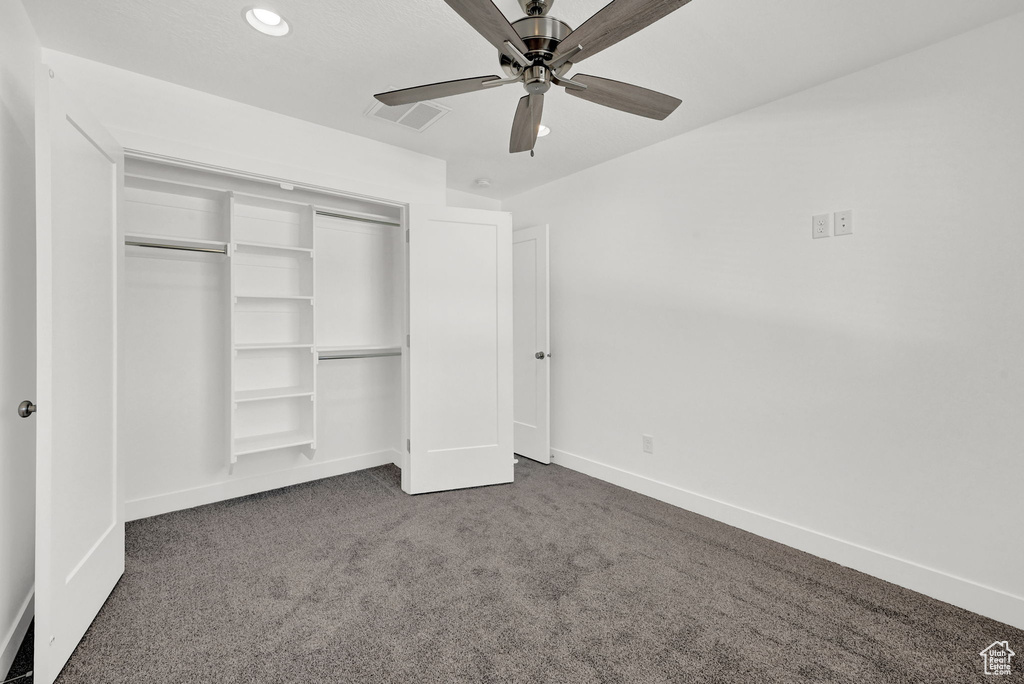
(820, 225)
(648, 443)
(844, 222)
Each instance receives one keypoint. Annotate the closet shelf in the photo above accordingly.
(275, 440)
(242, 396)
(267, 247)
(272, 345)
(307, 298)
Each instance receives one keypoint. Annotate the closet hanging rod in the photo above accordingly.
(358, 355)
(156, 245)
(332, 214)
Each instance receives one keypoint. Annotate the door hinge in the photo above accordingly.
(408, 341)
(407, 235)
(408, 445)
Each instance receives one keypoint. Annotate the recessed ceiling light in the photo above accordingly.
(265, 21)
(483, 182)
(542, 130)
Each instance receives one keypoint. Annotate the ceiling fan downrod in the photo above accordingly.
(536, 8)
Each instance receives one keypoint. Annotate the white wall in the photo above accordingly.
(460, 198)
(859, 397)
(19, 55)
(148, 114)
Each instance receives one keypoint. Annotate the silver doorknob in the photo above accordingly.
(26, 408)
(539, 355)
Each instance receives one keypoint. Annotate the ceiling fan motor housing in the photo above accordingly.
(542, 35)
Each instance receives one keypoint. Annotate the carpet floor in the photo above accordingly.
(558, 577)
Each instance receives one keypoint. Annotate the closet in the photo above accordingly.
(263, 335)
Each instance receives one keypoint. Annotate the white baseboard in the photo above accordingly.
(230, 489)
(16, 632)
(958, 591)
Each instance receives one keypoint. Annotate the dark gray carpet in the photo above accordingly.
(22, 665)
(556, 578)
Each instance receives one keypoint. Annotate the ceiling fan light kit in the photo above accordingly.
(538, 51)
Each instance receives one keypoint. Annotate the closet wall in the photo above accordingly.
(223, 391)
(145, 113)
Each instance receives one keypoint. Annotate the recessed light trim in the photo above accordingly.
(267, 21)
(542, 130)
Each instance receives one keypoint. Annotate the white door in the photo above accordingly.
(79, 253)
(460, 354)
(530, 349)
(17, 329)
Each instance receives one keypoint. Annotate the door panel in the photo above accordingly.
(460, 374)
(530, 322)
(79, 510)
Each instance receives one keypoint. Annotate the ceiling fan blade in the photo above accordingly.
(625, 97)
(489, 22)
(435, 90)
(524, 126)
(617, 20)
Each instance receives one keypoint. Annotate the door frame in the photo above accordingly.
(542, 306)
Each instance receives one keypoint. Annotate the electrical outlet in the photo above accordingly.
(648, 442)
(844, 222)
(820, 226)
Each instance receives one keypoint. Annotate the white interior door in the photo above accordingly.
(79, 254)
(460, 354)
(530, 349)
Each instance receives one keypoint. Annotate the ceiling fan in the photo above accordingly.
(538, 50)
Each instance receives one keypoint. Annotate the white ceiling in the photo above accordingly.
(720, 57)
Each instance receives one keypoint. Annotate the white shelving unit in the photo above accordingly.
(267, 281)
(273, 347)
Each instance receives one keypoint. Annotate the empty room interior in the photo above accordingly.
(513, 341)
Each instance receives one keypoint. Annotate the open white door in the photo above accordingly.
(460, 354)
(79, 508)
(530, 323)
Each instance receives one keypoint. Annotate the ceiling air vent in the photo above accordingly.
(418, 116)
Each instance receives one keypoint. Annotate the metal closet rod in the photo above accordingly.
(157, 245)
(360, 355)
(332, 214)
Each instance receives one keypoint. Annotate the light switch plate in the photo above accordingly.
(820, 226)
(844, 222)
